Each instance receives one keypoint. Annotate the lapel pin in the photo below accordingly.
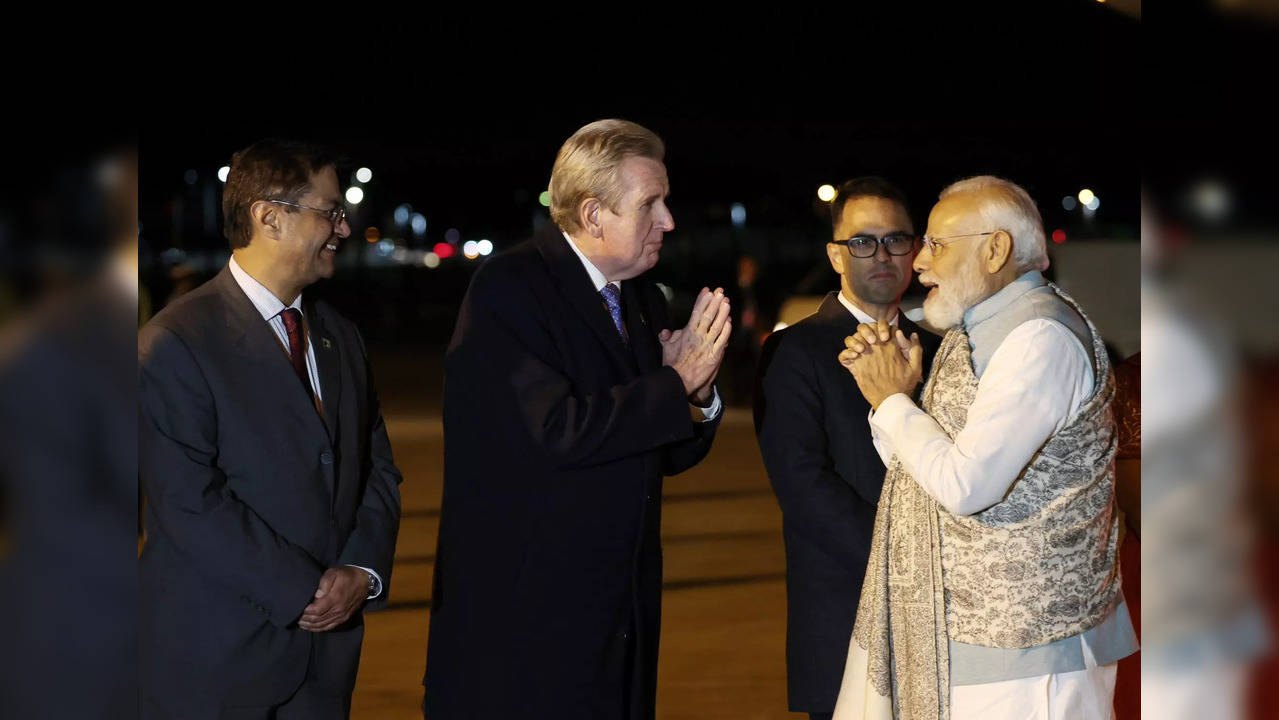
(328, 344)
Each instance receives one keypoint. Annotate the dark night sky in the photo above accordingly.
(753, 112)
(464, 124)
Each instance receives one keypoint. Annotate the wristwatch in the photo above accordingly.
(372, 584)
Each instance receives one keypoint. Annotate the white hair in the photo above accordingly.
(1008, 207)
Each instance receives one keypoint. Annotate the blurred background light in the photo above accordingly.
(354, 195)
(1059, 236)
(1211, 199)
(364, 174)
(1093, 204)
(738, 214)
(471, 249)
(1085, 196)
(419, 224)
(431, 260)
(484, 247)
(452, 235)
(444, 250)
(826, 193)
(545, 198)
(402, 214)
(371, 234)
(190, 176)
(1069, 203)
(223, 172)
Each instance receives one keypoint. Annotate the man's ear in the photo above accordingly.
(266, 217)
(588, 216)
(999, 250)
(835, 253)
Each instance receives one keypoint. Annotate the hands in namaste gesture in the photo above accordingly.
(696, 350)
(883, 361)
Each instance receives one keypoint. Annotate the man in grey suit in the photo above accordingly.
(272, 498)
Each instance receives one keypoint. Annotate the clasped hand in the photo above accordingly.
(883, 361)
(341, 592)
(696, 350)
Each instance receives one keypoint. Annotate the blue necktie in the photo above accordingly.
(614, 303)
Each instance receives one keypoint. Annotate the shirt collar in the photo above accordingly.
(597, 277)
(267, 304)
(857, 312)
(987, 308)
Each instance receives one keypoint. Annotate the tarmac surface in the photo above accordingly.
(724, 600)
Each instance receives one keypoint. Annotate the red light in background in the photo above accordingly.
(444, 250)
(1059, 236)
(371, 234)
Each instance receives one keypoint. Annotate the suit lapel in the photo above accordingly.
(908, 326)
(257, 343)
(576, 286)
(329, 363)
(833, 313)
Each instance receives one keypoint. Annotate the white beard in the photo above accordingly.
(944, 308)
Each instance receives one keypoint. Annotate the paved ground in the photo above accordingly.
(724, 608)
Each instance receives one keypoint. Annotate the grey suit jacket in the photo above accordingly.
(251, 495)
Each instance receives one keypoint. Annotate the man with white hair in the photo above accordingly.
(567, 398)
(993, 584)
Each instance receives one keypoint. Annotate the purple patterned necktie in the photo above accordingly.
(614, 303)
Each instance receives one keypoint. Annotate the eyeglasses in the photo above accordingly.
(336, 215)
(935, 244)
(864, 246)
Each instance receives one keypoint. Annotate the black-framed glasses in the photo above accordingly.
(935, 244)
(864, 246)
(335, 216)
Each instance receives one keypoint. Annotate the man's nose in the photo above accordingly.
(919, 265)
(881, 253)
(666, 223)
(342, 229)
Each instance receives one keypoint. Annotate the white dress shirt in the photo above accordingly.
(861, 315)
(1034, 385)
(270, 307)
(598, 279)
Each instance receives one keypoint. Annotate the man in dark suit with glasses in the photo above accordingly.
(811, 422)
(272, 498)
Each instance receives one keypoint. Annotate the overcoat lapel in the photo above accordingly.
(575, 284)
(644, 347)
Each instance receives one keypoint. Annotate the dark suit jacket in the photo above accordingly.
(251, 495)
(557, 435)
(811, 421)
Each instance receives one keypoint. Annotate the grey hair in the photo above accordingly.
(1011, 209)
(589, 162)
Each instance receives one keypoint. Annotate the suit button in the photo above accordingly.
(650, 497)
(326, 457)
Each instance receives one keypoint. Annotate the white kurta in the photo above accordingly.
(1033, 386)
